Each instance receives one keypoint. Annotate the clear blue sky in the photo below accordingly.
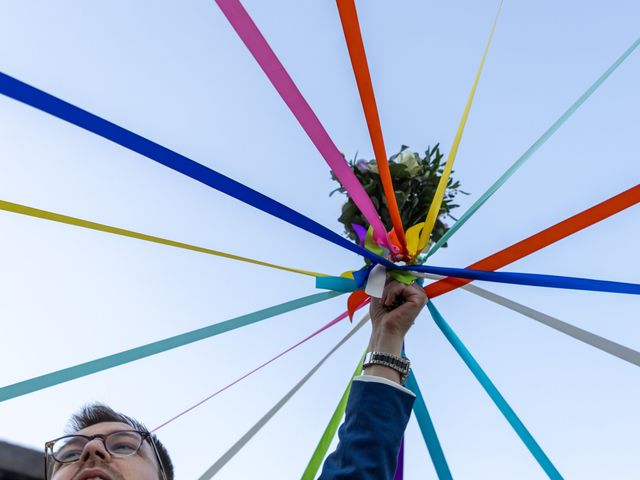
(175, 72)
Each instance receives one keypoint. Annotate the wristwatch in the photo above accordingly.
(402, 365)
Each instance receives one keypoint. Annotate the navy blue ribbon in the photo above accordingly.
(537, 280)
(47, 103)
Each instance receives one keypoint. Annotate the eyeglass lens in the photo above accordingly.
(120, 444)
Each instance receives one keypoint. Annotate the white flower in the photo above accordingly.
(409, 160)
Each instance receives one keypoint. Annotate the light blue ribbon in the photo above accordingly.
(495, 395)
(532, 149)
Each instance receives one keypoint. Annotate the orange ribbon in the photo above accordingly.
(353, 37)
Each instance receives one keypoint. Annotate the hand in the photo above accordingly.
(389, 326)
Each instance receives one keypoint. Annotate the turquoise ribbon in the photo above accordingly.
(104, 363)
(532, 149)
(495, 395)
(428, 431)
(337, 284)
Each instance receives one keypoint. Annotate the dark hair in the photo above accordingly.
(100, 413)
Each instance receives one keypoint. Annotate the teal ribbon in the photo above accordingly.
(428, 431)
(104, 363)
(532, 149)
(495, 395)
(337, 284)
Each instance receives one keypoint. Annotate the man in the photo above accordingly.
(110, 446)
(106, 445)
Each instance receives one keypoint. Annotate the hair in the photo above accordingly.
(99, 413)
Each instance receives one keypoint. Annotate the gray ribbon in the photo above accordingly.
(601, 343)
(222, 461)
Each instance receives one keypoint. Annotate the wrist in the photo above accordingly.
(386, 341)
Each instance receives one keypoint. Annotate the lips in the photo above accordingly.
(93, 474)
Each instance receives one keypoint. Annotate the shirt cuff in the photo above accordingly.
(386, 381)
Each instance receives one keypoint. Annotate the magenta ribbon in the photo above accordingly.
(275, 71)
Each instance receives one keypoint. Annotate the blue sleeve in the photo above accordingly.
(376, 417)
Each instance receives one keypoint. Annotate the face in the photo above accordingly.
(96, 462)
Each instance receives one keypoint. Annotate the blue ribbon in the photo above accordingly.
(47, 103)
(341, 284)
(533, 279)
(495, 395)
(428, 430)
(337, 284)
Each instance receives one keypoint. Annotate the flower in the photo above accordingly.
(409, 160)
(415, 179)
(362, 165)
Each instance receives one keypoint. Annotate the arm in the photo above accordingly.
(379, 408)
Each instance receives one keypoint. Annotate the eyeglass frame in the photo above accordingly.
(48, 448)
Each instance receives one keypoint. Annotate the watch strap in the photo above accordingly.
(402, 365)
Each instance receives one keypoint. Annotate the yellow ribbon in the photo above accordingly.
(56, 217)
(434, 209)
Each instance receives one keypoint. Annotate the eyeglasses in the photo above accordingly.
(68, 449)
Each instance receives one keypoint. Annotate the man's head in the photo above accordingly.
(107, 454)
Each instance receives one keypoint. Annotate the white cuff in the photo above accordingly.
(386, 381)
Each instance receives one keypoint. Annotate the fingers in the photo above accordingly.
(394, 291)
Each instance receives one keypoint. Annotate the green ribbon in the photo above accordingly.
(104, 363)
(327, 437)
(532, 149)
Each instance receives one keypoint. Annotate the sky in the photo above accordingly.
(175, 72)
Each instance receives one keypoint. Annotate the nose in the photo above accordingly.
(94, 449)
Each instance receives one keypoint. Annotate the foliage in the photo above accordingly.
(415, 180)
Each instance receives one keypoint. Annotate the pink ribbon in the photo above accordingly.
(275, 71)
(336, 320)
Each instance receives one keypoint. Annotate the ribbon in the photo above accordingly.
(56, 107)
(428, 430)
(236, 447)
(375, 283)
(542, 239)
(399, 475)
(532, 149)
(336, 320)
(337, 284)
(78, 222)
(495, 395)
(353, 37)
(555, 281)
(525, 247)
(330, 431)
(340, 284)
(612, 348)
(126, 356)
(624, 353)
(434, 209)
(286, 88)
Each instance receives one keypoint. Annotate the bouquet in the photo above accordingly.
(415, 180)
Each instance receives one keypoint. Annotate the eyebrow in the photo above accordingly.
(108, 432)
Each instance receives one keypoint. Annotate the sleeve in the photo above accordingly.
(376, 417)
